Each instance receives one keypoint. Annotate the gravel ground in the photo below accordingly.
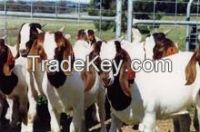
(163, 126)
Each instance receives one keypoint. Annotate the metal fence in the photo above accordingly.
(176, 12)
(58, 10)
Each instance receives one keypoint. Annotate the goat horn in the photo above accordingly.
(44, 25)
(167, 31)
(39, 31)
(62, 29)
(4, 37)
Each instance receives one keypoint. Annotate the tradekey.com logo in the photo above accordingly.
(163, 65)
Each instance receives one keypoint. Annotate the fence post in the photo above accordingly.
(56, 9)
(5, 20)
(79, 13)
(118, 18)
(130, 19)
(100, 19)
(31, 9)
(188, 26)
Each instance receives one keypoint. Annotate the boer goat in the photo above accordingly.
(162, 47)
(27, 35)
(81, 47)
(66, 91)
(152, 95)
(165, 47)
(13, 85)
(85, 43)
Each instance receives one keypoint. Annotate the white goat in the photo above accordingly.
(155, 95)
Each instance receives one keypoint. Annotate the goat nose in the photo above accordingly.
(23, 52)
(109, 80)
(51, 73)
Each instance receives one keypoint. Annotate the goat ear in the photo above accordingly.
(39, 30)
(4, 37)
(198, 55)
(190, 70)
(62, 29)
(6, 70)
(42, 54)
(127, 76)
(118, 46)
(68, 54)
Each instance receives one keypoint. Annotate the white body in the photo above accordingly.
(71, 98)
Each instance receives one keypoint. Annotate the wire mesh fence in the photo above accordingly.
(76, 15)
(181, 17)
(55, 14)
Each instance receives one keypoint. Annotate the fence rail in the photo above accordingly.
(175, 8)
(165, 22)
(57, 16)
(61, 10)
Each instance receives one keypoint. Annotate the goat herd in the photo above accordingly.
(95, 72)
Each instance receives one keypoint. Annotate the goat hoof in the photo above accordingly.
(103, 130)
(15, 127)
(55, 129)
(4, 123)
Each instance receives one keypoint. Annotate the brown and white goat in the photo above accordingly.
(13, 85)
(66, 91)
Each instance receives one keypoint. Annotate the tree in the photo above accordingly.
(107, 10)
(142, 10)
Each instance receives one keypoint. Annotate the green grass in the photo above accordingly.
(71, 27)
(177, 33)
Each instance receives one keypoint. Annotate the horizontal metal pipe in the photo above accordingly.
(59, 16)
(165, 22)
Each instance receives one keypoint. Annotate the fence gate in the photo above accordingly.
(177, 14)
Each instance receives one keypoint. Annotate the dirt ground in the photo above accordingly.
(162, 126)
